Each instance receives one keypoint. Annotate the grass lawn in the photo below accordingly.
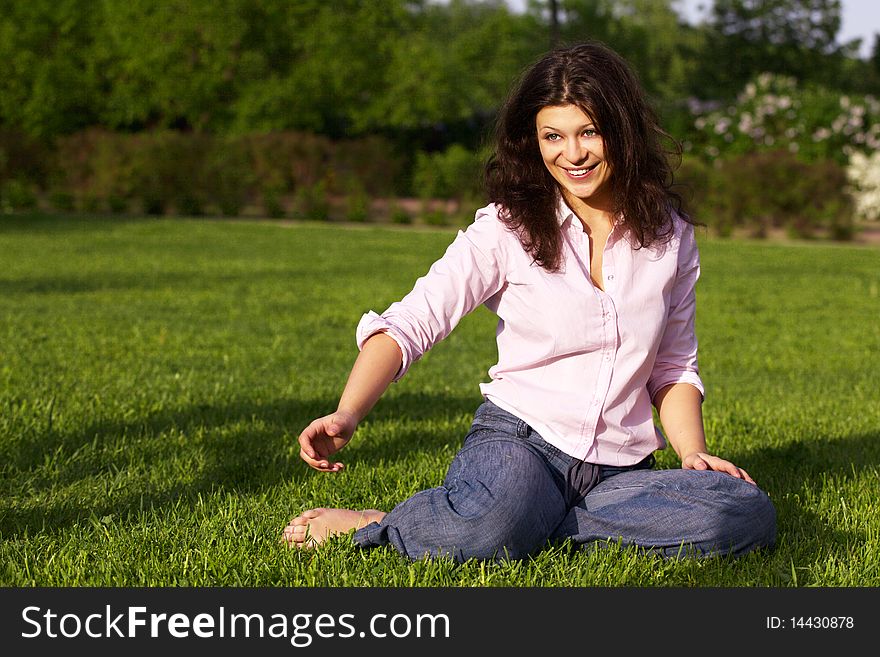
(154, 375)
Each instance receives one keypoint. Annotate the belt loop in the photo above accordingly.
(522, 429)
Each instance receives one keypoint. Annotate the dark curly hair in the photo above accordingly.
(597, 80)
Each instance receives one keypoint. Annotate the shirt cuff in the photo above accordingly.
(372, 323)
(691, 378)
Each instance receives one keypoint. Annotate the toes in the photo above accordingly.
(298, 536)
(305, 517)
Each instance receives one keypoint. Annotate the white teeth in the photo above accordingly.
(580, 172)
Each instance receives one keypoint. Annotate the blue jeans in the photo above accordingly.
(505, 496)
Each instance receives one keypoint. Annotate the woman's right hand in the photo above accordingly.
(324, 437)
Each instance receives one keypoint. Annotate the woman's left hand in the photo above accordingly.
(704, 461)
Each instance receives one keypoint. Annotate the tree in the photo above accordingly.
(170, 63)
(875, 53)
(50, 84)
(790, 37)
(453, 66)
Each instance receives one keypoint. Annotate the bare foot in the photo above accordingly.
(315, 526)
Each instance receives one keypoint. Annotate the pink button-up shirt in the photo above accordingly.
(578, 364)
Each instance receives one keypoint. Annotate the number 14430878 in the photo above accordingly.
(810, 623)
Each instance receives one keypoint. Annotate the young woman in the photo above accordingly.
(591, 270)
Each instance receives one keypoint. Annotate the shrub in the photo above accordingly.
(22, 158)
(312, 201)
(693, 180)
(357, 205)
(285, 161)
(272, 205)
(62, 200)
(117, 204)
(17, 195)
(89, 203)
(189, 205)
(168, 169)
(195, 172)
(456, 173)
(775, 189)
(397, 214)
(229, 175)
(863, 173)
(773, 112)
(369, 163)
(704, 195)
(435, 216)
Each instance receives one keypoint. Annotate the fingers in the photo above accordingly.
(318, 441)
(745, 475)
(729, 468)
(694, 462)
(708, 462)
(308, 437)
(320, 463)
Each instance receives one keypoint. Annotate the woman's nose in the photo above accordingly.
(575, 151)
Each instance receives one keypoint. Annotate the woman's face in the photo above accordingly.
(574, 153)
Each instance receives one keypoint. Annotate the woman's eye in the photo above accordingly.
(590, 133)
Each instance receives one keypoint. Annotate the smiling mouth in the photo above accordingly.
(583, 172)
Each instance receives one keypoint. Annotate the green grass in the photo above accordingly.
(154, 375)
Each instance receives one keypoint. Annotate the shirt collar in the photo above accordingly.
(566, 218)
(564, 214)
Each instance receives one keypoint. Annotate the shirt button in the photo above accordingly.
(610, 277)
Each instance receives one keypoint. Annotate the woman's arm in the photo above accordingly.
(471, 270)
(680, 409)
(372, 373)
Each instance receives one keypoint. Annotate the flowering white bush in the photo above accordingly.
(863, 173)
(774, 113)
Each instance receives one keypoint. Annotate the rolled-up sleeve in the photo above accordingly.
(676, 360)
(469, 272)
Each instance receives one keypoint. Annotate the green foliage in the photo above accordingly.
(198, 173)
(766, 190)
(774, 112)
(450, 64)
(22, 157)
(312, 201)
(357, 205)
(370, 163)
(62, 200)
(456, 173)
(197, 55)
(229, 174)
(435, 217)
(273, 206)
(796, 38)
(205, 107)
(117, 204)
(167, 169)
(17, 195)
(353, 67)
(51, 83)
(397, 214)
(647, 32)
